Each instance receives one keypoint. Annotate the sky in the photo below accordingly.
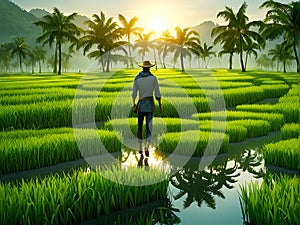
(154, 14)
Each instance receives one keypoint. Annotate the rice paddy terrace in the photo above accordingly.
(249, 120)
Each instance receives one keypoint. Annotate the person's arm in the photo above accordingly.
(158, 95)
(134, 92)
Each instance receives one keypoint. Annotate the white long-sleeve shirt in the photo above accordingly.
(146, 84)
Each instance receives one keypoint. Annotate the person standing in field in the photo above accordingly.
(146, 84)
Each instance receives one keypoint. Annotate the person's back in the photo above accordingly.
(145, 83)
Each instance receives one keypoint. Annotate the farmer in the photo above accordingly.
(145, 83)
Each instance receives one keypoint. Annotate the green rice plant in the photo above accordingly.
(194, 138)
(255, 128)
(14, 85)
(290, 112)
(273, 202)
(274, 90)
(290, 130)
(15, 134)
(128, 127)
(236, 133)
(20, 152)
(276, 120)
(272, 82)
(245, 95)
(39, 115)
(284, 153)
(294, 91)
(183, 106)
(77, 197)
(235, 77)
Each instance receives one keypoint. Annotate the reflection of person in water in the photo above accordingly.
(143, 161)
(145, 83)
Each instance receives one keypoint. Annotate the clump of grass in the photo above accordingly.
(236, 133)
(273, 202)
(198, 139)
(245, 95)
(288, 105)
(276, 120)
(255, 128)
(290, 111)
(73, 198)
(290, 130)
(274, 90)
(19, 152)
(283, 154)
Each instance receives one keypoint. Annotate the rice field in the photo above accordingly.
(38, 111)
(275, 201)
(284, 154)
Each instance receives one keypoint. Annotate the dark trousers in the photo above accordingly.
(141, 116)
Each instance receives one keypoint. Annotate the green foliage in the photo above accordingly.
(290, 130)
(74, 198)
(273, 202)
(31, 149)
(283, 154)
(276, 120)
(195, 138)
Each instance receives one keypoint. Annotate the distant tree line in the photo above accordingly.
(111, 42)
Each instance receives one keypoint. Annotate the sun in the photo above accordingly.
(157, 24)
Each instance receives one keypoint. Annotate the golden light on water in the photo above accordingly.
(134, 159)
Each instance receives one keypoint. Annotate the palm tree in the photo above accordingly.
(198, 186)
(20, 49)
(143, 43)
(282, 54)
(206, 53)
(106, 35)
(166, 40)
(40, 54)
(184, 39)
(196, 48)
(5, 56)
(238, 31)
(128, 29)
(264, 62)
(251, 49)
(58, 29)
(227, 40)
(283, 19)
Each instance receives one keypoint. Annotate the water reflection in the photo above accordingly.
(202, 187)
(206, 185)
(250, 160)
(132, 158)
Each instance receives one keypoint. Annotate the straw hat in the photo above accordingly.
(146, 64)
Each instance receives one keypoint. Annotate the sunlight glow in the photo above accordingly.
(157, 24)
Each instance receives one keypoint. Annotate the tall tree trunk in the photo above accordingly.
(154, 54)
(55, 60)
(230, 61)
(20, 63)
(296, 55)
(242, 62)
(107, 62)
(129, 49)
(246, 60)
(40, 66)
(59, 58)
(32, 67)
(181, 61)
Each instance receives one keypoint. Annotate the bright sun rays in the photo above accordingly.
(157, 24)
